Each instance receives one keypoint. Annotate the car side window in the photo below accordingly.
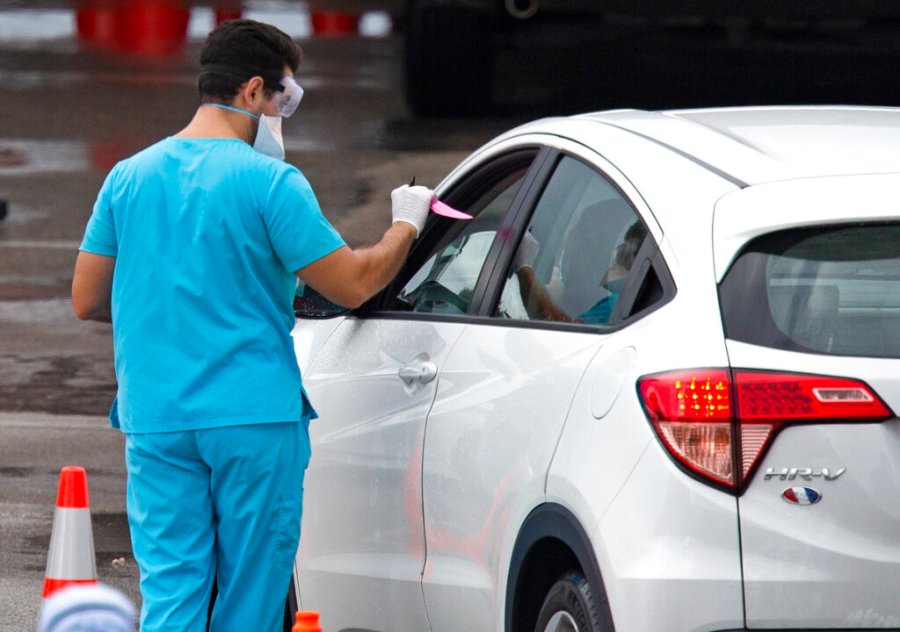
(445, 281)
(573, 262)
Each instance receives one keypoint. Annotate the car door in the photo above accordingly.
(507, 384)
(373, 382)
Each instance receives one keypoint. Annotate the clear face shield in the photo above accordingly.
(287, 96)
(287, 92)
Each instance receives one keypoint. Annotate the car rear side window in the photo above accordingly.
(577, 253)
(829, 290)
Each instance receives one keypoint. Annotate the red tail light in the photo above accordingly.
(718, 423)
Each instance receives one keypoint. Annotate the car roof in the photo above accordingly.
(753, 145)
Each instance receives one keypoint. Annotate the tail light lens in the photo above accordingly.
(717, 423)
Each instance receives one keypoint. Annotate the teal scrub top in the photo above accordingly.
(207, 236)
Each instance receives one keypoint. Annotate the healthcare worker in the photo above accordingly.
(193, 251)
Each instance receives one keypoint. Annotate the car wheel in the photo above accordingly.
(448, 59)
(569, 607)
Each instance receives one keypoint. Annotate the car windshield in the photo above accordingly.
(833, 290)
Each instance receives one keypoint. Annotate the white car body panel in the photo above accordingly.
(365, 535)
(833, 564)
(500, 406)
(748, 213)
(666, 568)
(495, 147)
(767, 144)
(646, 553)
(309, 337)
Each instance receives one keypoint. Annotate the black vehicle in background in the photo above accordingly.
(455, 49)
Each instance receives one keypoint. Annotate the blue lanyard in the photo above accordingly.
(228, 107)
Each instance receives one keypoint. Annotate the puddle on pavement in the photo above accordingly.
(15, 472)
(23, 157)
(63, 385)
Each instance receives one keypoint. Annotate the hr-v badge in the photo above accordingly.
(801, 495)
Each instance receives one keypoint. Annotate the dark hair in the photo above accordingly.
(238, 50)
(636, 232)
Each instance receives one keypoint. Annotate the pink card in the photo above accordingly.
(448, 211)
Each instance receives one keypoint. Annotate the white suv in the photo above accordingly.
(650, 387)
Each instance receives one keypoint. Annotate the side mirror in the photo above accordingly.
(310, 304)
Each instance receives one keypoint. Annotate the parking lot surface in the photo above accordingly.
(70, 111)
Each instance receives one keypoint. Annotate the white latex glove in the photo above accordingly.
(410, 205)
(527, 252)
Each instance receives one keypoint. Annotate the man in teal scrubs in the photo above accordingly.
(193, 252)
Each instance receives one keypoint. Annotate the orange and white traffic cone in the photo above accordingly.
(71, 558)
(307, 621)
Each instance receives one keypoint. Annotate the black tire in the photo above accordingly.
(448, 59)
(569, 607)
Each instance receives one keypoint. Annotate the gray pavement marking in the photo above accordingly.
(52, 422)
(51, 245)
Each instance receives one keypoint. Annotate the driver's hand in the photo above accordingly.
(527, 252)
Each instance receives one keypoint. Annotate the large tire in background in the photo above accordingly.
(569, 607)
(448, 59)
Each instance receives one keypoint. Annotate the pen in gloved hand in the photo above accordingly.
(442, 209)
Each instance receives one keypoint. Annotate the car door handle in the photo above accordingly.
(418, 371)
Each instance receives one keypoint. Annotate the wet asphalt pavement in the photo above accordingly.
(69, 112)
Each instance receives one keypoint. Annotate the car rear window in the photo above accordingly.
(830, 290)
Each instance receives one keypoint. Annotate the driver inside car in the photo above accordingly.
(538, 302)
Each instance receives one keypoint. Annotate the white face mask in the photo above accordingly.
(269, 139)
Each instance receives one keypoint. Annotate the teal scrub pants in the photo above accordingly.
(219, 504)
